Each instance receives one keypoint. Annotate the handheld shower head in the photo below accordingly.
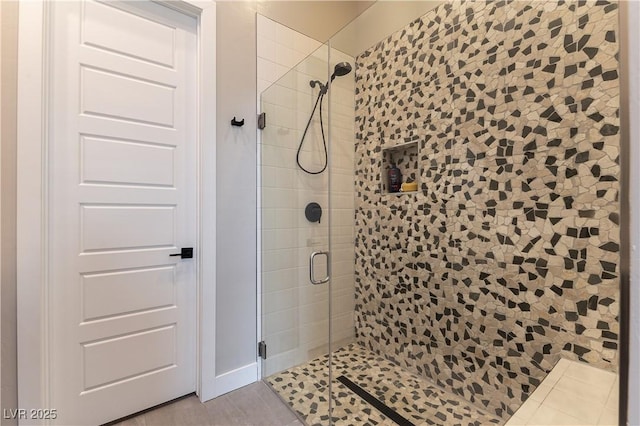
(342, 68)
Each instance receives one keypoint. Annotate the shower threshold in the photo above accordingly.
(407, 395)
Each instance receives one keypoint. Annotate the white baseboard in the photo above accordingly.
(229, 381)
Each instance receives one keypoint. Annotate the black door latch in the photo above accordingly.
(185, 253)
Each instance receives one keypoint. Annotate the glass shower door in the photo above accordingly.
(294, 246)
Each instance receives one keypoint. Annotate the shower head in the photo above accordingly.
(342, 68)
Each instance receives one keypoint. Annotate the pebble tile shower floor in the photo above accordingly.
(305, 389)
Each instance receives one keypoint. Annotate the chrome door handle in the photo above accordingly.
(312, 269)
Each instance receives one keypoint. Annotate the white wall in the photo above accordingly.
(634, 114)
(295, 312)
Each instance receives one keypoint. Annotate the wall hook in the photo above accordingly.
(235, 122)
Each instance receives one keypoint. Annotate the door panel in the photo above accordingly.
(126, 357)
(115, 227)
(116, 30)
(126, 97)
(113, 161)
(122, 177)
(146, 289)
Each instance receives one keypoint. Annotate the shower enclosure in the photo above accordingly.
(455, 297)
(296, 312)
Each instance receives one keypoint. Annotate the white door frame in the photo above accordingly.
(33, 199)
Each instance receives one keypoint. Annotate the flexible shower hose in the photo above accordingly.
(306, 129)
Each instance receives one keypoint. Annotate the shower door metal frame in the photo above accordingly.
(624, 346)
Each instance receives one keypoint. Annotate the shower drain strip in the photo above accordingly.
(375, 402)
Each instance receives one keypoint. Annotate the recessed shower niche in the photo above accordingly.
(404, 156)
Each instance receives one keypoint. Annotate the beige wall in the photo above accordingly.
(316, 19)
(236, 189)
(8, 88)
(378, 22)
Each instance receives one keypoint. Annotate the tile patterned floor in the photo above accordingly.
(573, 393)
(305, 389)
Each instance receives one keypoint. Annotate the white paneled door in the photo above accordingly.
(122, 165)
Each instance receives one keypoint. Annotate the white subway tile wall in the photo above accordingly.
(295, 313)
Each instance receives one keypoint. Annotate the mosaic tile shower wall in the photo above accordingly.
(507, 258)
